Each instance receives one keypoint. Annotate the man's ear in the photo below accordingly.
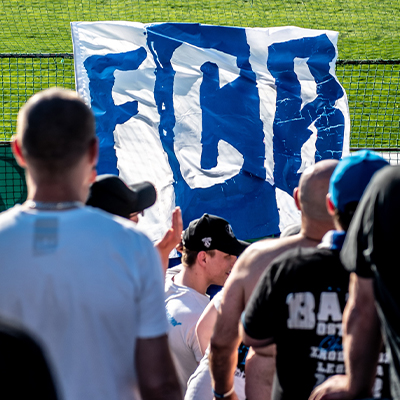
(17, 151)
(179, 247)
(296, 196)
(202, 257)
(93, 157)
(94, 150)
(329, 205)
(93, 175)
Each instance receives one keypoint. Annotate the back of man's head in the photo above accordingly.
(313, 188)
(349, 181)
(55, 129)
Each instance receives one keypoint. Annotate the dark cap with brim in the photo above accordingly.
(212, 233)
(111, 194)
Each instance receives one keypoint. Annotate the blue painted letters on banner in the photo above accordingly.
(292, 123)
(100, 71)
(230, 113)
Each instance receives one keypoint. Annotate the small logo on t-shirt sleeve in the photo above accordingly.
(172, 320)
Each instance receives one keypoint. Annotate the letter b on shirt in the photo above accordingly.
(301, 310)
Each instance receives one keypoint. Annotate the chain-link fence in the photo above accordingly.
(12, 182)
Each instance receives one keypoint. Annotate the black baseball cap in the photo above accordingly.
(212, 233)
(111, 194)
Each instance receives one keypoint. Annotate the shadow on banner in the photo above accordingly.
(12, 179)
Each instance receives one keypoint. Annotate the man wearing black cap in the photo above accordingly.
(209, 250)
(112, 194)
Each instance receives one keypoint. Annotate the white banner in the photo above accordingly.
(221, 120)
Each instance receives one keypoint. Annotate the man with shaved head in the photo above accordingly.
(310, 198)
(299, 300)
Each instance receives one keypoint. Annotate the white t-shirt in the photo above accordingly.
(184, 306)
(199, 384)
(88, 284)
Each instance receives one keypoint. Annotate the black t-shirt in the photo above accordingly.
(299, 302)
(370, 251)
(23, 369)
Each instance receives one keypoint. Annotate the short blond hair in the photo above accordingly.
(189, 256)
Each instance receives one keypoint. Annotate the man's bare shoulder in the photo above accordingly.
(256, 258)
(261, 253)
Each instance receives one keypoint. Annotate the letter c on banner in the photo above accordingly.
(192, 69)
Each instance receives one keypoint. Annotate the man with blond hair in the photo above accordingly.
(209, 251)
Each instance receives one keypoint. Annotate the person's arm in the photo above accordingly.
(155, 370)
(362, 335)
(260, 366)
(260, 371)
(171, 238)
(205, 325)
(237, 289)
(225, 338)
(361, 343)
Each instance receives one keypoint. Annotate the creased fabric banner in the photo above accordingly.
(221, 120)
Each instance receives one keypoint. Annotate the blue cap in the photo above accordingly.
(352, 175)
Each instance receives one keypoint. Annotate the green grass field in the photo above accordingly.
(368, 30)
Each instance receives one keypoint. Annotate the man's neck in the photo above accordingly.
(193, 278)
(315, 230)
(55, 192)
(61, 186)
